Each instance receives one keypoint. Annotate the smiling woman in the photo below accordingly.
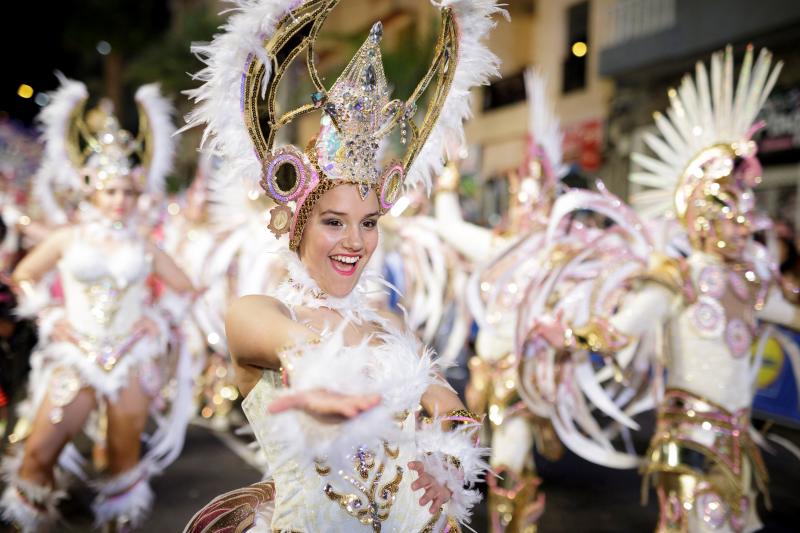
(339, 239)
(334, 388)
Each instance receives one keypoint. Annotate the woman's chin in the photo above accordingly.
(340, 286)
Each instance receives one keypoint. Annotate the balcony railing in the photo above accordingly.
(626, 20)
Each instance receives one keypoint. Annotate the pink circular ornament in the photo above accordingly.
(738, 338)
(707, 317)
(711, 281)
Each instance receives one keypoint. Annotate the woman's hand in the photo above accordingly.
(326, 406)
(435, 492)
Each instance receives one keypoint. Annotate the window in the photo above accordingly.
(577, 48)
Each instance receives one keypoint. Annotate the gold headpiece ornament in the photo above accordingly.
(705, 138)
(357, 111)
(84, 150)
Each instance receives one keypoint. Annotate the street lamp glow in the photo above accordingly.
(103, 48)
(579, 49)
(25, 91)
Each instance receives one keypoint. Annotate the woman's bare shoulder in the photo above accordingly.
(394, 319)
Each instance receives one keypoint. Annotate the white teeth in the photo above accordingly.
(345, 259)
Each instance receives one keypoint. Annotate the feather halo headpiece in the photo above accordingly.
(706, 133)
(246, 64)
(82, 150)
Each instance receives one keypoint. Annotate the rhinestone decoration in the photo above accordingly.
(738, 338)
(712, 281)
(64, 387)
(391, 185)
(349, 139)
(707, 316)
(713, 509)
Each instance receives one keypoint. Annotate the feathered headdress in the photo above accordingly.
(706, 132)
(246, 64)
(82, 151)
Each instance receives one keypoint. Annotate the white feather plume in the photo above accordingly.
(159, 112)
(57, 171)
(543, 124)
(704, 111)
(218, 99)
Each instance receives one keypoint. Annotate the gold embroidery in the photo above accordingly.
(373, 502)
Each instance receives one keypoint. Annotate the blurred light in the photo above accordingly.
(463, 153)
(173, 209)
(25, 91)
(103, 48)
(400, 206)
(212, 338)
(579, 49)
(42, 99)
(24, 220)
(253, 194)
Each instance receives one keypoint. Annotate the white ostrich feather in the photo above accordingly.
(218, 99)
(57, 171)
(159, 112)
(704, 111)
(543, 124)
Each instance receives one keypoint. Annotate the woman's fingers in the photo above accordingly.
(424, 480)
(284, 403)
(322, 403)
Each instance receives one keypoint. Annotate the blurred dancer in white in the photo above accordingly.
(102, 354)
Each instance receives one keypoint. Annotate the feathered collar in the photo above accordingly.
(300, 289)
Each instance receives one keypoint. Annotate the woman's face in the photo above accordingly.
(339, 238)
(116, 199)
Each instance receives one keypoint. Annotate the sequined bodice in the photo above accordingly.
(306, 501)
(104, 288)
(711, 338)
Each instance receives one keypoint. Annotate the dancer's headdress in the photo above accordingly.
(246, 64)
(533, 187)
(705, 141)
(84, 150)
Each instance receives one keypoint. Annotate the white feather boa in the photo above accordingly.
(218, 99)
(435, 446)
(392, 370)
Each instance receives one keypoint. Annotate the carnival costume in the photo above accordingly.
(695, 315)
(349, 476)
(503, 264)
(105, 294)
